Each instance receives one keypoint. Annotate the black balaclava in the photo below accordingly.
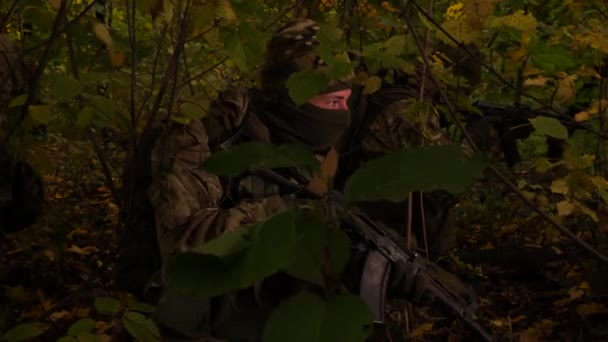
(292, 49)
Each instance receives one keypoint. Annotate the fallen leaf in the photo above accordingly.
(518, 318)
(55, 316)
(421, 330)
(590, 309)
(565, 208)
(49, 254)
(560, 186)
(498, 323)
(81, 251)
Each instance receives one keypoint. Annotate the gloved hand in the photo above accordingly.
(406, 282)
(410, 283)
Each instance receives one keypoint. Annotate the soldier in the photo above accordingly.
(21, 189)
(190, 204)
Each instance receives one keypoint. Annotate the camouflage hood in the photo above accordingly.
(294, 48)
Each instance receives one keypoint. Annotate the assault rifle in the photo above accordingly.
(385, 250)
(512, 123)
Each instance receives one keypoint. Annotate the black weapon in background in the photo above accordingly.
(511, 122)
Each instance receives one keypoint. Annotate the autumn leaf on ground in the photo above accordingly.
(421, 330)
(81, 251)
(590, 309)
(565, 208)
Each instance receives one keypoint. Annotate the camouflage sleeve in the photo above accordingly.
(405, 124)
(186, 198)
(398, 127)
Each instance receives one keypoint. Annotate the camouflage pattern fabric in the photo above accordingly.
(190, 203)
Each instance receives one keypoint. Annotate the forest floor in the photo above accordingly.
(531, 284)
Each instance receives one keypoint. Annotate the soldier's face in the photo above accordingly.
(337, 100)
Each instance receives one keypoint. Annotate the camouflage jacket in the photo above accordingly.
(189, 202)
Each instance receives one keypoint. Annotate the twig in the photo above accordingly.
(8, 14)
(35, 80)
(494, 170)
(62, 29)
(89, 132)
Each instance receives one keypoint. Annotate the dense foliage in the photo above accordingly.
(108, 71)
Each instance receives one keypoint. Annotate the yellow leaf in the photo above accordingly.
(565, 208)
(566, 89)
(372, 85)
(487, 246)
(81, 251)
(582, 116)
(168, 8)
(55, 316)
(539, 81)
(224, 10)
(588, 212)
(319, 184)
(455, 12)
(47, 304)
(117, 58)
(82, 312)
(498, 323)
(519, 20)
(55, 4)
(460, 30)
(49, 254)
(518, 318)
(102, 32)
(476, 11)
(560, 186)
(590, 309)
(421, 330)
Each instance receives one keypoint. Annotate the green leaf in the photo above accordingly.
(85, 117)
(313, 235)
(258, 156)
(347, 318)
(25, 331)
(306, 317)
(88, 337)
(305, 84)
(67, 339)
(261, 251)
(18, 101)
(66, 88)
(340, 249)
(41, 113)
(340, 70)
(298, 319)
(245, 45)
(141, 307)
(306, 262)
(140, 327)
(82, 325)
(551, 58)
(107, 305)
(393, 176)
(102, 105)
(550, 126)
(372, 84)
